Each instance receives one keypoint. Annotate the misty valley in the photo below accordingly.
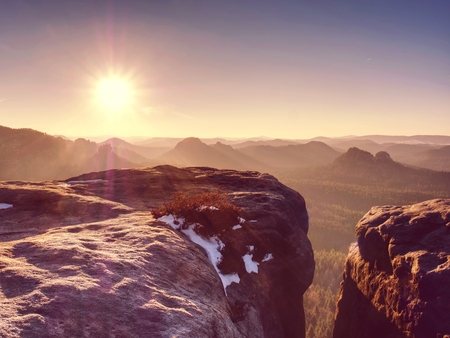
(224, 169)
(340, 179)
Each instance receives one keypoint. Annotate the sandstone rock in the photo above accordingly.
(87, 259)
(397, 275)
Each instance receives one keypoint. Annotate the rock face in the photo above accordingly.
(397, 275)
(86, 258)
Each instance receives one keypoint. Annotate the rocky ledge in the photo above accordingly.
(86, 258)
(397, 275)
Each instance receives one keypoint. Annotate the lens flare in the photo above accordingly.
(114, 93)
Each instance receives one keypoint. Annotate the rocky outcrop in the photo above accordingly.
(356, 158)
(86, 258)
(397, 275)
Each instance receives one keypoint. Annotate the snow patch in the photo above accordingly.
(172, 221)
(212, 246)
(203, 207)
(237, 226)
(228, 279)
(241, 220)
(253, 221)
(5, 205)
(267, 257)
(250, 264)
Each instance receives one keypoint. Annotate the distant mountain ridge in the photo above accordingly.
(359, 161)
(359, 166)
(292, 156)
(245, 161)
(171, 142)
(193, 152)
(27, 154)
(32, 155)
(275, 143)
(414, 139)
(427, 154)
(436, 159)
(141, 154)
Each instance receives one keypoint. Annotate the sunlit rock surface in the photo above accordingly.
(397, 275)
(85, 258)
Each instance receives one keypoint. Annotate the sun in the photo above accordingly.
(114, 93)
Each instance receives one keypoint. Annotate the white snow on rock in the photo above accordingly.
(241, 220)
(250, 264)
(203, 207)
(228, 279)
(253, 221)
(172, 221)
(5, 205)
(212, 246)
(267, 257)
(237, 226)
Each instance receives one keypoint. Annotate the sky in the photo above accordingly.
(286, 69)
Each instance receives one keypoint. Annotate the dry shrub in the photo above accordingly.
(212, 210)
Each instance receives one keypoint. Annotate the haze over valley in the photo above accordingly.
(340, 178)
(123, 121)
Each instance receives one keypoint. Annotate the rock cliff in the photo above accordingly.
(86, 258)
(396, 276)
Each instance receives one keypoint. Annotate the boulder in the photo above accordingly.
(397, 274)
(86, 258)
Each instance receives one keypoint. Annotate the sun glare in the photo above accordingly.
(114, 93)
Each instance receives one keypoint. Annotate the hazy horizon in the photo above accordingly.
(106, 137)
(241, 69)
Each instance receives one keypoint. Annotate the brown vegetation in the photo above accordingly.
(211, 209)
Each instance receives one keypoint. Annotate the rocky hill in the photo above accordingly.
(359, 166)
(86, 258)
(193, 152)
(356, 159)
(27, 154)
(32, 154)
(431, 152)
(396, 276)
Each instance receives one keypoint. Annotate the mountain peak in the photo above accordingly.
(383, 157)
(189, 142)
(355, 157)
(360, 162)
(222, 146)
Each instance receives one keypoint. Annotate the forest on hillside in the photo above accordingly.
(336, 200)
